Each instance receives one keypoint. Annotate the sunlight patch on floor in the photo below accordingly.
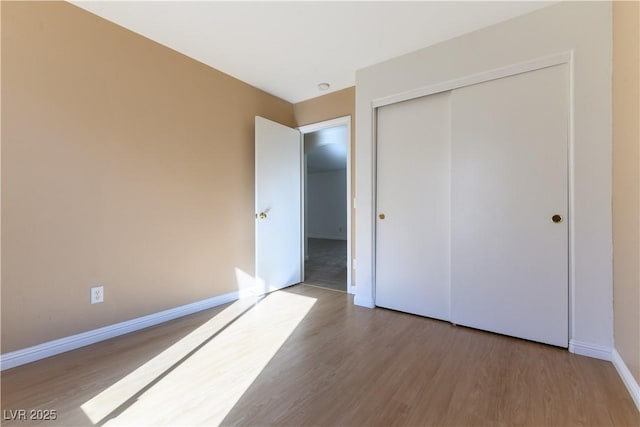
(204, 387)
(110, 399)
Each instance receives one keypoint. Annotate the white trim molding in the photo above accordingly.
(62, 345)
(363, 301)
(591, 350)
(627, 378)
(314, 127)
(494, 74)
(326, 124)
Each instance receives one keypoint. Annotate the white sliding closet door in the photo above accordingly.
(413, 197)
(509, 270)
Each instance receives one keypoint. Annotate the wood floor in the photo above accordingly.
(308, 356)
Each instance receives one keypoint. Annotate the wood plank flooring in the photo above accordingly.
(308, 356)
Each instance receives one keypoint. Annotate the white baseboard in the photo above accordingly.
(328, 237)
(363, 301)
(588, 349)
(51, 348)
(628, 379)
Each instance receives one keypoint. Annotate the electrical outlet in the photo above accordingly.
(97, 294)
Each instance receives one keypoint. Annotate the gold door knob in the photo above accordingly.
(381, 216)
(556, 218)
(262, 215)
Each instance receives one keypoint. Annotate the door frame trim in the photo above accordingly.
(566, 57)
(313, 127)
(484, 76)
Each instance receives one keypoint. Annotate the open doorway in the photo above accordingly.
(326, 204)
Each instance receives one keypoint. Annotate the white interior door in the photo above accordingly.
(413, 194)
(509, 178)
(278, 175)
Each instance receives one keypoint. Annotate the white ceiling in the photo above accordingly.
(326, 149)
(287, 48)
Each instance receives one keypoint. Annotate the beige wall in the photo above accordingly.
(626, 186)
(124, 164)
(0, 171)
(333, 105)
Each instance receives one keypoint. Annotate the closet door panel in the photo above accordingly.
(509, 270)
(413, 194)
